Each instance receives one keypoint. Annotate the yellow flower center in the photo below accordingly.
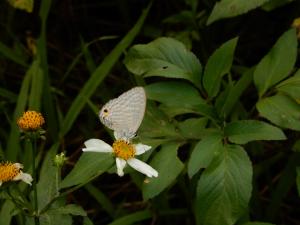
(30, 120)
(123, 149)
(8, 171)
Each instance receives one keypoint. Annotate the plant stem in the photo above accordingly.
(34, 174)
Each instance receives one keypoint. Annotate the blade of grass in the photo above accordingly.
(99, 74)
(11, 55)
(13, 144)
(48, 105)
(101, 199)
(36, 89)
(9, 95)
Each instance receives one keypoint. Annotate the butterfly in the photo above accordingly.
(125, 113)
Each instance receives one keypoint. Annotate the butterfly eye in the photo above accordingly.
(105, 112)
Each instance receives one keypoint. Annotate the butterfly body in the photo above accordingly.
(124, 114)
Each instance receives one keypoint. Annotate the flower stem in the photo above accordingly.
(34, 174)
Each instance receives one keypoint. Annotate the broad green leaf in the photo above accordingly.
(89, 165)
(235, 93)
(204, 152)
(71, 209)
(51, 219)
(219, 63)
(47, 186)
(164, 57)
(243, 131)
(156, 124)
(278, 63)
(200, 109)
(165, 159)
(193, 128)
(174, 93)
(99, 74)
(280, 110)
(87, 221)
(132, 218)
(291, 86)
(231, 8)
(273, 4)
(257, 223)
(298, 179)
(224, 188)
(7, 212)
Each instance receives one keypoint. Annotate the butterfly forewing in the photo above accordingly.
(125, 113)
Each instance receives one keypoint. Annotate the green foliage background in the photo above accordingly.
(223, 113)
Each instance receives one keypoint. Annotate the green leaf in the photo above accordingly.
(200, 109)
(155, 124)
(11, 55)
(51, 219)
(280, 110)
(235, 92)
(87, 221)
(231, 8)
(7, 212)
(219, 63)
(224, 189)
(47, 187)
(71, 209)
(89, 165)
(36, 85)
(165, 159)
(101, 198)
(278, 63)
(291, 86)
(273, 4)
(99, 74)
(243, 131)
(193, 128)
(174, 93)
(164, 57)
(13, 144)
(204, 152)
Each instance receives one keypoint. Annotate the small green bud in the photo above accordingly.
(59, 159)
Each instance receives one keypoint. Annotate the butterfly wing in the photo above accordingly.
(125, 113)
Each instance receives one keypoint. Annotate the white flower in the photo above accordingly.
(13, 172)
(124, 152)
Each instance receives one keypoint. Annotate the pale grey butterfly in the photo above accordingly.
(124, 114)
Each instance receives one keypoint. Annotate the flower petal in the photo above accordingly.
(26, 177)
(142, 167)
(121, 163)
(140, 148)
(96, 145)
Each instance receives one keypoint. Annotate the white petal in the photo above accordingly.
(96, 145)
(121, 163)
(24, 177)
(142, 167)
(18, 165)
(140, 148)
